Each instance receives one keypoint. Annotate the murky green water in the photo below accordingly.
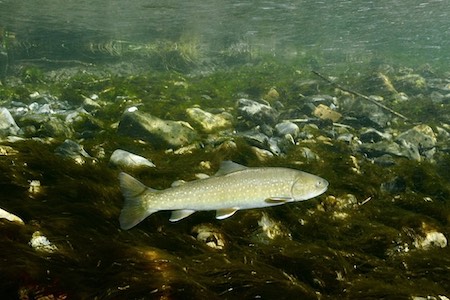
(373, 120)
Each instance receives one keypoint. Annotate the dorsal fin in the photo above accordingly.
(227, 167)
(178, 183)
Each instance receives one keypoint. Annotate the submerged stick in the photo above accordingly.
(360, 95)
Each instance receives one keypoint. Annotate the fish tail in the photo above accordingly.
(134, 209)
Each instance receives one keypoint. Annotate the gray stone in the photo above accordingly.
(381, 148)
(365, 111)
(287, 127)
(394, 186)
(7, 124)
(421, 135)
(73, 150)
(372, 135)
(160, 133)
(410, 150)
(273, 144)
(255, 138)
(419, 141)
(308, 154)
(257, 112)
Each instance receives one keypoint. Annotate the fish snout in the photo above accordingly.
(307, 187)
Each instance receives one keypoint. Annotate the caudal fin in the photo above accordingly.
(134, 209)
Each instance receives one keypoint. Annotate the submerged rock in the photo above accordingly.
(73, 150)
(421, 135)
(432, 239)
(35, 188)
(382, 148)
(10, 217)
(272, 95)
(308, 154)
(258, 139)
(367, 112)
(128, 160)
(394, 186)
(8, 125)
(40, 243)
(411, 83)
(160, 133)
(55, 127)
(270, 230)
(210, 236)
(325, 113)
(208, 122)
(371, 135)
(420, 140)
(286, 127)
(257, 112)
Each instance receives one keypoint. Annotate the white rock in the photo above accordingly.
(35, 187)
(40, 243)
(209, 235)
(125, 159)
(7, 124)
(432, 239)
(270, 227)
(10, 217)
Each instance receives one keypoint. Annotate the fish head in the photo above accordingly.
(307, 186)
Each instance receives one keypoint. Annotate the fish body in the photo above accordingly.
(234, 187)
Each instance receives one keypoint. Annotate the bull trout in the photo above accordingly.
(232, 188)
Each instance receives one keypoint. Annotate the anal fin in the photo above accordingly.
(226, 212)
(177, 215)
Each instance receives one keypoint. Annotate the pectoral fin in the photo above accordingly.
(226, 212)
(278, 200)
(177, 215)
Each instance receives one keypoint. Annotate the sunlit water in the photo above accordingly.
(412, 31)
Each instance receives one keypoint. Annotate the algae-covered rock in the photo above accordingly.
(73, 150)
(55, 127)
(209, 122)
(422, 135)
(160, 133)
(421, 139)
